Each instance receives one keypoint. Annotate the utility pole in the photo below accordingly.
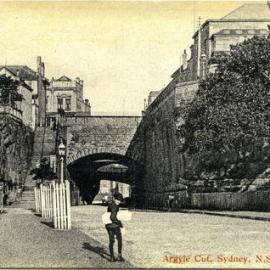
(194, 15)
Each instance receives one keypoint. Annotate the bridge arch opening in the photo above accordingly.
(87, 172)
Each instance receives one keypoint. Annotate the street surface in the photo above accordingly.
(150, 236)
(152, 239)
(28, 241)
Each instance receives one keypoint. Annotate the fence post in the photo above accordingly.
(54, 205)
(68, 205)
(36, 199)
(39, 201)
(57, 205)
(64, 206)
(42, 200)
(61, 205)
(40, 204)
(45, 200)
(50, 199)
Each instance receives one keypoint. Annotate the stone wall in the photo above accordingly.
(99, 134)
(16, 144)
(154, 145)
(168, 171)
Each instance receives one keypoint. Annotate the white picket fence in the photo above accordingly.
(53, 202)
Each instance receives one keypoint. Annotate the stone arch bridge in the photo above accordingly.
(97, 148)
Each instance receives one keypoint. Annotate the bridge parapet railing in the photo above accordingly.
(52, 201)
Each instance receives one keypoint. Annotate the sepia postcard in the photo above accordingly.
(135, 134)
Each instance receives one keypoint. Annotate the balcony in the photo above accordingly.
(7, 109)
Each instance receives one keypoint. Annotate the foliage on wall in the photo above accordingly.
(9, 90)
(228, 123)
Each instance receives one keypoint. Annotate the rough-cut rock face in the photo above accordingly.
(16, 142)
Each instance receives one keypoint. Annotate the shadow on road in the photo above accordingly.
(48, 223)
(98, 250)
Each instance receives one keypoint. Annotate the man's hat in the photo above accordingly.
(118, 196)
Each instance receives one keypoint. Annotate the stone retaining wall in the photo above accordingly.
(16, 147)
(250, 200)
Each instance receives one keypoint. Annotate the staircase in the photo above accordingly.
(44, 144)
(27, 200)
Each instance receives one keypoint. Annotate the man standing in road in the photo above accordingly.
(114, 228)
(170, 201)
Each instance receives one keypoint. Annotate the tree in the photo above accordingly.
(9, 91)
(229, 120)
(44, 171)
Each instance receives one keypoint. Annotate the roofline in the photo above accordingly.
(229, 20)
(26, 86)
(4, 67)
(64, 80)
(7, 68)
(249, 4)
(176, 72)
(22, 82)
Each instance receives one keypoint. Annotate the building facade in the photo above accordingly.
(33, 87)
(43, 99)
(24, 107)
(215, 37)
(67, 94)
(109, 187)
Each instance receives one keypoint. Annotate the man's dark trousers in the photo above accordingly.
(114, 231)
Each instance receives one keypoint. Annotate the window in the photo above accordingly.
(68, 104)
(59, 103)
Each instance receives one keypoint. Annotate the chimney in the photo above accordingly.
(145, 104)
(184, 59)
(38, 64)
(42, 69)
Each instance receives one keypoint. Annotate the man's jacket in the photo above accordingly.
(113, 208)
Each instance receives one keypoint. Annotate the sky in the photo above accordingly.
(122, 50)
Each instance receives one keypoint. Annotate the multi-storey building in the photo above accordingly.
(215, 37)
(67, 95)
(43, 99)
(32, 86)
(24, 107)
